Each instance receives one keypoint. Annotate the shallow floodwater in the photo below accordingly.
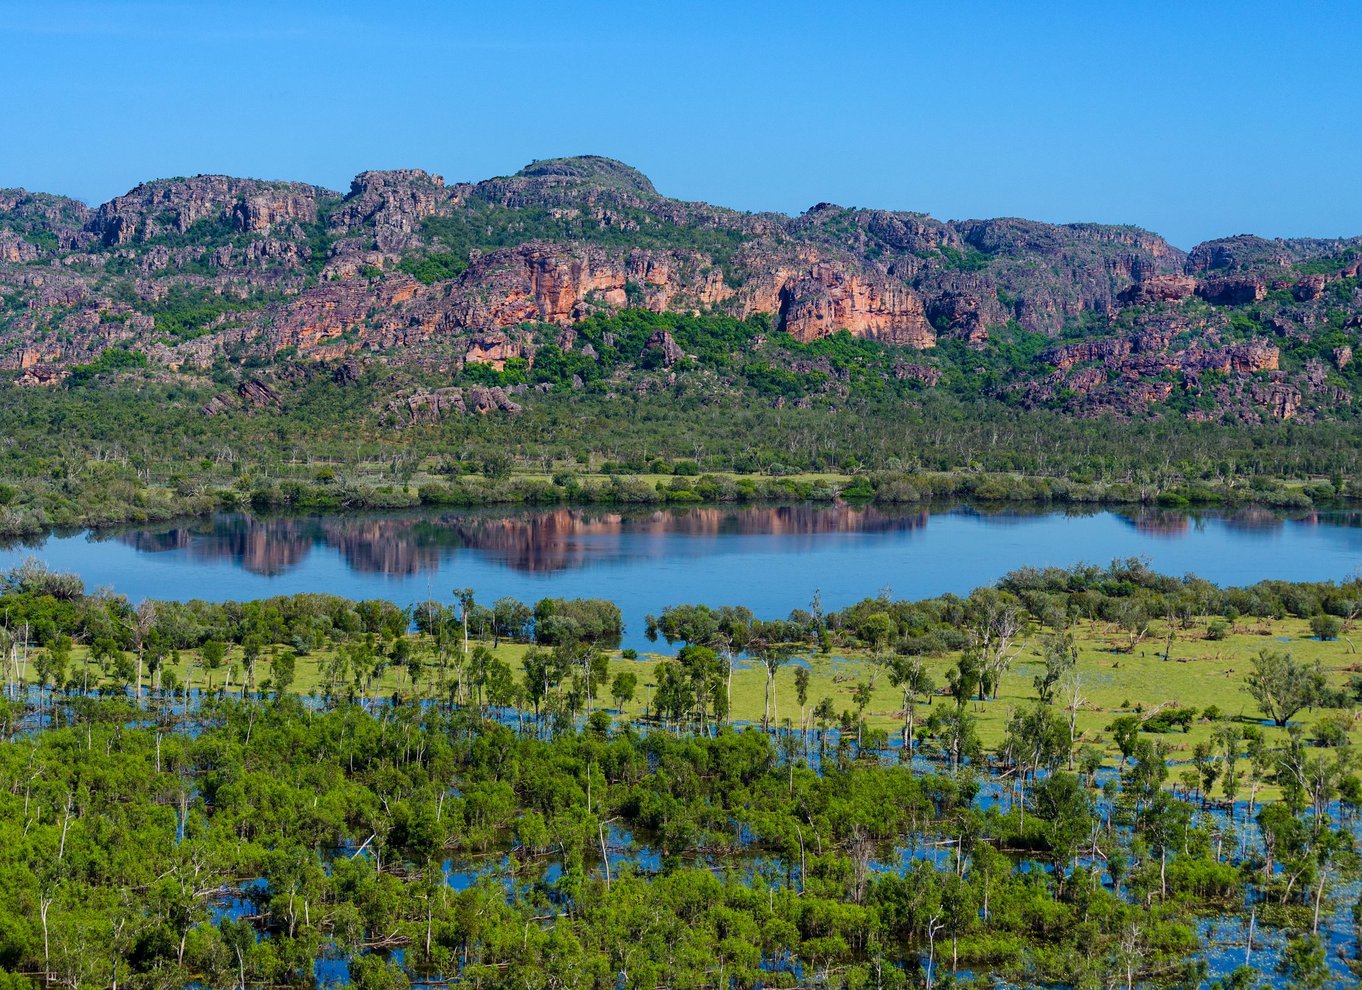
(769, 558)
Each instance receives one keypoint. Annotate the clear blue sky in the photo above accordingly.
(1194, 119)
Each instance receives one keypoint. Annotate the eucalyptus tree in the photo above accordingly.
(1282, 686)
(212, 652)
(705, 671)
(511, 619)
(1035, 740)
(910, 675)
(142, 623)
(860, 696)
(995, 620)
(622, 688)
(1059, 656)
(802, 678)
(465, 598)
(772, 656)
(954, 730)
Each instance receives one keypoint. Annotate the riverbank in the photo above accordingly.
(1174, 658)
(102, 499)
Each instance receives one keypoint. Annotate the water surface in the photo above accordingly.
(771, 559)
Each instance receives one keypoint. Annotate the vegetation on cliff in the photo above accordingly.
(743, 413)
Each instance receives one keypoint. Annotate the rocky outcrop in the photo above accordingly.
(1109, 350)
(1255, 356)
(260, 212)
(174, 205)
(41, 375)
(1245, 252)
(559, 283)
(1235, 254)
(1147, 393)
(564, 239)
(1147, 353)
(385, 208)
(495, 348)
(1085, 381)
(1316, 375)
(925, 374)
(30, 221)
(254, 392)
(1159, 289)
(661, 344)
(315, 321)
(1282, 400)
(1309, 288)
(218, 404)
(435, 405)
(15, 249)
(347, 372)
(964, 314)
(828, 298)
(1233, 290)
(567, 180)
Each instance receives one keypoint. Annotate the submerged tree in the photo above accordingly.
(909, 674)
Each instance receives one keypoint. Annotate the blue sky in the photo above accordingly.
(1193, 119)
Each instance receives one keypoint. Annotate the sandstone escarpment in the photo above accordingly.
(174, 205)
(557, 283)
(36, 224)
(1246, 252)
(384, 209)
(828, 298)
(406, 268)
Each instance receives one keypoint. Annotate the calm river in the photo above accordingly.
(770, 559)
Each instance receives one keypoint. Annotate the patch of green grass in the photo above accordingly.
(1200, 673)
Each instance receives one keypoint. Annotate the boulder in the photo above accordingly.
(661, 341)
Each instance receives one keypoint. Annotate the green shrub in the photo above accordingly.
(1326, 627)
(435, 267)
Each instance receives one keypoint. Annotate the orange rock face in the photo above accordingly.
(557, 283)
(260, 213)
(322, 314)
(1281, 399)
(828, 299)
(1254, 356)
(560, 282)
(496, 348)
(665, 283)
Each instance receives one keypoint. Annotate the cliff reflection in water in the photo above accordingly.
(972, 537)
(404, 544)
(1246, 520)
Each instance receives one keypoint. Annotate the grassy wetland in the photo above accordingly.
(1117, 778)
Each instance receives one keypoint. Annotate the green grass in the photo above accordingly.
(1200, 673)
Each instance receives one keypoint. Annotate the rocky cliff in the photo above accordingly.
(406, 267)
